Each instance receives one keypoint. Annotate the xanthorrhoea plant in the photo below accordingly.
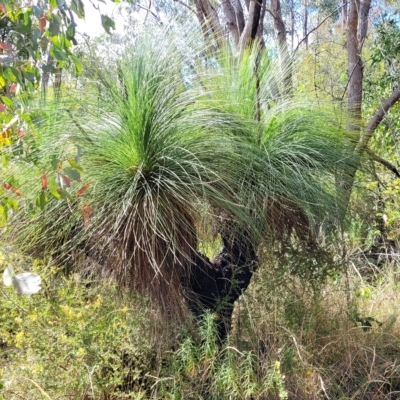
(153, 152)
(161, 134)
(299, 142)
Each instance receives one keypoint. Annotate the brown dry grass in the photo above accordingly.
(322, 336)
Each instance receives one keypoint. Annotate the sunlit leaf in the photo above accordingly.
(107, 23)
(58, 53)
(41, 201)
(78, 8)
(72, 174)
(7, 101)
(77, 62)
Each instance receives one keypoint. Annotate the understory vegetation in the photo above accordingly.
(333, 337)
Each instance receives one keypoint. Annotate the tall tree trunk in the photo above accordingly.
(292, 24)
(233, 12)
(357, 28)
(242, 33)
(280, 32)
(46, 75)
(57, 83)
(251, 28)
(305, 24)
(344, 13)
(208, 18)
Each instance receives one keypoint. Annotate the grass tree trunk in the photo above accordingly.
(216, 284)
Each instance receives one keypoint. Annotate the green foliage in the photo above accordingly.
(85, 338)
(202, 369)
(73, 338)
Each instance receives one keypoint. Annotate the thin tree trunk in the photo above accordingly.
(46, 76)
(280, 32)
(357, 28)
(305, 24)
(57, 83)
(344, 13)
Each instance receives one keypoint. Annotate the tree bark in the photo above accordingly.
(377, 119)
(344, 13)
(357, 29)
(233, 12)
(305, 24)
(208, 18)
(231, 21)
(280, 32)
(250, 30)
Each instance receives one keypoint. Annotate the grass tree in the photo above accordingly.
(161, 136)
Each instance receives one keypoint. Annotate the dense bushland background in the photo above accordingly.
(312, 85)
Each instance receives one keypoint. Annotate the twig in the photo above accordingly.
(38, 386)
(151, 12)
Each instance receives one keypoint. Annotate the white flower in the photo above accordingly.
(25, 282)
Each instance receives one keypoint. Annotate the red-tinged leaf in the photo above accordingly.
(42, 22)
(16, 191)
(66, 180)
(83, 189)
(3, 108)
(44, 181)
(5, 46)
(7, 186)
(86, 211)
(3, 9)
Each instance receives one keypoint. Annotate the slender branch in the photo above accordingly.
(314, 29)
(185, 5)
(382, 161)
(377, 119)
(151, 12)
(348, 81)
(270, 12)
